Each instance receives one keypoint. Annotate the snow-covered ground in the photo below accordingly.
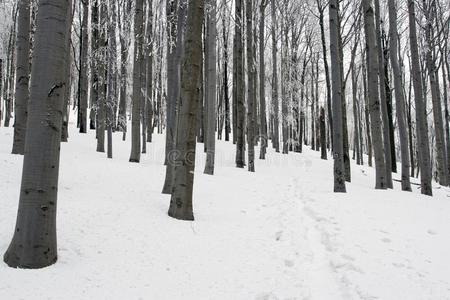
(279, 233)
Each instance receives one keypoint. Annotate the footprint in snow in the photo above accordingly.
(278, 235)
(386, 240)
(266, 296)
(288, 263)
(431, 232)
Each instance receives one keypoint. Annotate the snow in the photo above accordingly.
(280, 233)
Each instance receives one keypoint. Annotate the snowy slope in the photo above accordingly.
(279, 233)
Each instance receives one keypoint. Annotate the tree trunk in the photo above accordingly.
(399, 96)
(323, 135)
(383, 99)
(137, 82)
(112, 75)
(225, 81)
(240, 118)
(102, 81)
(374, 96)
(124, 45)
(212, 88)
(34, 241)
(250, 88)
(181, 200)
(338, 147)
(149, 70)
(22, 76)
(421, 114)
(275, 105)
(262, 82)
(326, 68)
(83, 96)
(355, 115)
(441, 158)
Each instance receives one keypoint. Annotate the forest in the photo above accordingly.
(315, 116)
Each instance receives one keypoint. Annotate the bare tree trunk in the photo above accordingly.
(399, 96)
(441, 158)
(175, 47)
(323, 135)
(94, 65)
(321, 9)
(225, 79)
(338, 147)
(102, 81)
(212, 88)
(34, 241)
(137, 82)
(250, 87)
(275, 105)
(421, 114)
(149, 70)
(83, 96)
(366, 111)
(262, 82)
(124, 45)
(181, 200)
(373, 89)
(240, 120)
(22, 76)
(383, 99)
(10, 70)
(112, 75)
(355, 115)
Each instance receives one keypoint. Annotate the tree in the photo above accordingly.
(112, 75)
(262, 80)
(124, 45)
(373, 92)
(239, 82)
(336, 81)
(321, 9)
(181, 200)
(212, 87)
(250, 87)
(137, 82)
(421, 114)
(83, 96)
(34, 241)
(102, 74)
(383, 98)
(441, 158)
(399, 96)
(22, 76)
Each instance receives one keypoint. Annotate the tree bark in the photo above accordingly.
(250, 87)
(181, 200)
(82, 114)
(22, 76)
(441, 158)
(399, 96)
(338, 147)
(137, 82)
(383, 99)
(275, 105)
(421, 114)
(262, 82)
(240, 118)
(374, 96)
(34, 241)
(212, 88)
